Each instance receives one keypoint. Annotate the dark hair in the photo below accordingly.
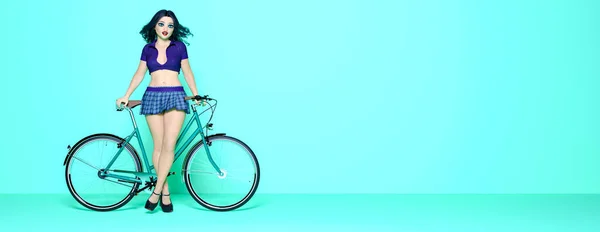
(179, 31)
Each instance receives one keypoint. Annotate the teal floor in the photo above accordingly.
(315, 213)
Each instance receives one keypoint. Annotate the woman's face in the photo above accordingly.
(164, 28)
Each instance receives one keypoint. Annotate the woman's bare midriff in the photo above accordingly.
(164, 78)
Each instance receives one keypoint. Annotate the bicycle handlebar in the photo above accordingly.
(198, 97)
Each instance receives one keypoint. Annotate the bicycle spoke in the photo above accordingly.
(128, 186)
(90, 185)
(93, 174)
(101, 156)
(244, 180)
(220, 157)
(201, 162)
(97, 169)
(203, 172)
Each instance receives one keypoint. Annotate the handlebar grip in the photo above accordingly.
(120, 108)
(198, 97)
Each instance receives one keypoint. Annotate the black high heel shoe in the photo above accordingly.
(149, 205)
(166, 208)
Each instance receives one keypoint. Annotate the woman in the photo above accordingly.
(163, 103)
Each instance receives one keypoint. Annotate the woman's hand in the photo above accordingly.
(123, 99)
(199, 102)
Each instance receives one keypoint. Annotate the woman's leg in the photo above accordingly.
(173, 121)
(155, 123)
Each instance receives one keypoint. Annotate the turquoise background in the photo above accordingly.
(333, 96)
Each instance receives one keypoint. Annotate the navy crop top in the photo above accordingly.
(176, 52)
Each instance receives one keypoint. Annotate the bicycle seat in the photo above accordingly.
(133, 103)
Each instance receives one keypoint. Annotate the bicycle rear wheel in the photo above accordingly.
(87, 178)
(240, 168)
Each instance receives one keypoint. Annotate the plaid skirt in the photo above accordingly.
(159, 99)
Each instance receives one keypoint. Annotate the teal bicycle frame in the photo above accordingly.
(178, 151)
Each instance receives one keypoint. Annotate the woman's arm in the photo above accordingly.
(189, 76)
(137, 78)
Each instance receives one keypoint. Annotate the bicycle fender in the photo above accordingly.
(78, 143)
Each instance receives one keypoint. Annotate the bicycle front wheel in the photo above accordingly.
(88, 180)
(237, 182)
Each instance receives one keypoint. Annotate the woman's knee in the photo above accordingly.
(158, 146)
(168, 148)
(168, 143)
(156, 155)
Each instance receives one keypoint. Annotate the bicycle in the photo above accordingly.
(138, 177)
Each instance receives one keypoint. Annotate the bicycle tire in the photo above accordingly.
(68, 163)
(190, 188)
